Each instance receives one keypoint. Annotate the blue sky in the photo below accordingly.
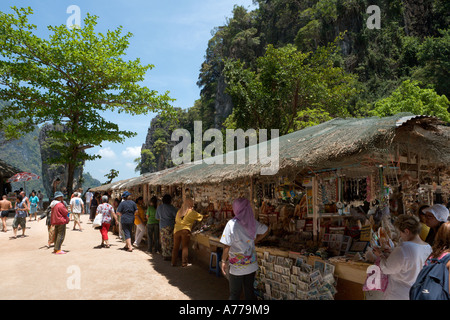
(171, 34)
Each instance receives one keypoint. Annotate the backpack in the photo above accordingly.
(432, 281)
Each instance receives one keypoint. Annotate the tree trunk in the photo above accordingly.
(70, 175)
(71, 169)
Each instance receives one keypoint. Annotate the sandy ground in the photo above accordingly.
(31, 271)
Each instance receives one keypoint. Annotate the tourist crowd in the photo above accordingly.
(425, 239)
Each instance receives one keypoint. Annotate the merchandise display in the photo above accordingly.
(293, 278)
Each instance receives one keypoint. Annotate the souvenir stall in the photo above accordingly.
(338, 190)
(336, 211)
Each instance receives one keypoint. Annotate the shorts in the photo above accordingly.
(127, 229)
(33, 209)
(5, 214)
(76, 216)
(19, 221)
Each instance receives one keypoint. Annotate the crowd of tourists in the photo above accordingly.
(424, 241)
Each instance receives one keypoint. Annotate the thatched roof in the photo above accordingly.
(335, 143)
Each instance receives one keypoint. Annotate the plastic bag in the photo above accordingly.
(97, 221)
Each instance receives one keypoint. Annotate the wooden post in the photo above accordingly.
(315, 208)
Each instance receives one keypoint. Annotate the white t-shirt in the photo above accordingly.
(242, 254)
(76, 204)
(89, 196)
(403, 266)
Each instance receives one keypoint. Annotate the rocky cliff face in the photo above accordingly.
(223, 105)
(417, 17)
(156, 151)
(54, 176)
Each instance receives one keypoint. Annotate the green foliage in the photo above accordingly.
(70, 79)
(286, 85)
(113, 173)
(433, 56)
(409, 97)
(381, 60)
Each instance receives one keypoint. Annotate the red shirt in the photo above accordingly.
(59, 214)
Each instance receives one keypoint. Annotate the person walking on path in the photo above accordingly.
(435, 215)
(34, 201)
(59, 219)
(5, 206)
(76, 209)
(239, 238)
(89, 195)
(184, 220)
(166, 214)
(406, 260)
(107, 212)
(152, 227)
(51, 229)
(40, 196)
(93, 206)
(127, 210)
(118, 224)
(21, 216)
(26, 200)
(139, 221)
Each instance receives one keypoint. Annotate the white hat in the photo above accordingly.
(439, 211)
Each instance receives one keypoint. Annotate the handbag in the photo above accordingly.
(376, 280)
(97, 223)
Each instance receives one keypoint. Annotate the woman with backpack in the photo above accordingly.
(433, 281)
(407, 259)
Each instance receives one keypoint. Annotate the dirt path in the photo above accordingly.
(31, 271)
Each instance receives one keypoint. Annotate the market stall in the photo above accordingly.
(339, 187)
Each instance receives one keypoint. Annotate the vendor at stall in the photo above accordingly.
(435, 216)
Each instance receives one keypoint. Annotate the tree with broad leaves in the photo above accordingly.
(70, 79)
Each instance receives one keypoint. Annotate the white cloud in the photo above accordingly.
(132, 152)
(107, 153)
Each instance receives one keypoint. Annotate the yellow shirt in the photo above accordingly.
(424, 231)
(187, 221)
(141, 214)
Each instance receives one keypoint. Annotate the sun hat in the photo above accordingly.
(439, 211)
(58, 194)
(126, 194)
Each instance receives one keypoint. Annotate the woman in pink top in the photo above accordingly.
(441, 246)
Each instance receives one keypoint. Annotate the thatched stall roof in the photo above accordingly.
(336, 143)
(117, 185)
(333, 144)
(135, 181)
